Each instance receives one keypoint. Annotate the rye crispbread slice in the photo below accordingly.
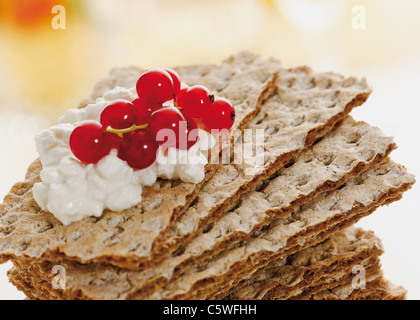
(344, 277)
(343, 153)
(314, 273)
(314, 269)
(305, 106)
(377, 288)
(245, 79)
(322, 217)
(328, 97)
(309, 271)
(311, 224)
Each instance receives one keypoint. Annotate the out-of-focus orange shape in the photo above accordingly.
(28, 12)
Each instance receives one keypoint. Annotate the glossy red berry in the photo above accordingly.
(118, 115)
(89, 143)
(139, 149)
(195, 102)
(188, 135)
(142, 111)
(164, 125)
(181, 93)
(175, 80)
(156, 86)
(221, 116)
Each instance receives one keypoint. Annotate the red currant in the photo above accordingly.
(139, 149)
(181, 93)
(175, 79)
(142, 111)
(118, 115)
(221, 116)
(164, 125)
(89, 143)
(188, 134)
(195, 102)
(156, 86)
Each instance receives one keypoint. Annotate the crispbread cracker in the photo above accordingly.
(305, 106)
(344, 287)
(342, 154)
(128, 237)
(318, 101)
(314, 273)
(312, 223)
(316, 267)
(340, 224)
(377, 288)
(310, 270)
(371, 266)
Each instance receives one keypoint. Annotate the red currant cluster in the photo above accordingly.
(137, 129)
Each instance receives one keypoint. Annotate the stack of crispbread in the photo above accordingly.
(276, 231)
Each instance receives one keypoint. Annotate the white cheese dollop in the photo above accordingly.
(71, 190)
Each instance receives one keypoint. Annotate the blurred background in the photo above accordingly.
(52, 52)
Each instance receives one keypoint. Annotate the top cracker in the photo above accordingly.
(25, 230)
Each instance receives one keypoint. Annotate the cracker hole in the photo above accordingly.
(260, 186)
(75, 236)
(44, 227)
(271, 130)
(303, 180)
(297, 121)
(234, 206)
(312, 83)
(314, 118)
(370, 155)
(329, 84)
(117, 230)
(291, 163)
(261, 120)
(349, 82)
(156, 204)
(208, 228)
(291, 82)
(318, 140)
(5, 231)
(341, 187)
(204, 73)
(163, 184)
(24, 245)
(176, 183)
(354, 138)
(261, 231)
(12, 218)
(179, 251)
(327, 159)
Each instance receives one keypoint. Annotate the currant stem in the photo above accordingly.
(120, 132)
